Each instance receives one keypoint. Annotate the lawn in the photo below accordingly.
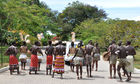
(137, 59)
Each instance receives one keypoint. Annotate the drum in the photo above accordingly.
(106, 56)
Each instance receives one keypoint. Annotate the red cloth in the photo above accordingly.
(13, 60)
(49, 60)
(34, 61)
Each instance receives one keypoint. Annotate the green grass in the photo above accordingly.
(137, 59)
(3, 58)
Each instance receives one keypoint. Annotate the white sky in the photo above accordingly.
(101, 3)
(108, 5)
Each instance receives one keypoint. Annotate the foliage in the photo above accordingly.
(29, 15)
(91, 30)
(44, 42)
(76, 13)
(33, 39)
(125, 30)
(105, 31)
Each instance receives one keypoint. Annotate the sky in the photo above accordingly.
(123, 9)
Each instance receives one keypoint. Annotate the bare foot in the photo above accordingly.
(110, 77)
(114, 77)
(80, 77)
(121, 80)
(128, 79)
(77, 78)
(90, 76)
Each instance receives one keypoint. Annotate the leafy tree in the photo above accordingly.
(26, 15)
(105, 31)
(77, 12)
(92, 30)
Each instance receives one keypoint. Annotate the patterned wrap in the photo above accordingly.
(13, 60)
(59, 64)
(49, 61)
(34, 62)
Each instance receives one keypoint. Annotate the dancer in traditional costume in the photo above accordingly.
(59, 59)
(23, 55)
(96, 56)
(113, 58)
(71, 54)
(88, 56)
(40, 57)
(34, 59)
(49, 60)
(13, 61)
(121, 52)
(130, 57)
(78, 60)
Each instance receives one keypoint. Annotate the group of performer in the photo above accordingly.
(36, 57)
(125, 55)
(88, 55)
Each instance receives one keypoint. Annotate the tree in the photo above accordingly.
(77, 12)
(92, 30)
(26, 15)
(105, 31)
